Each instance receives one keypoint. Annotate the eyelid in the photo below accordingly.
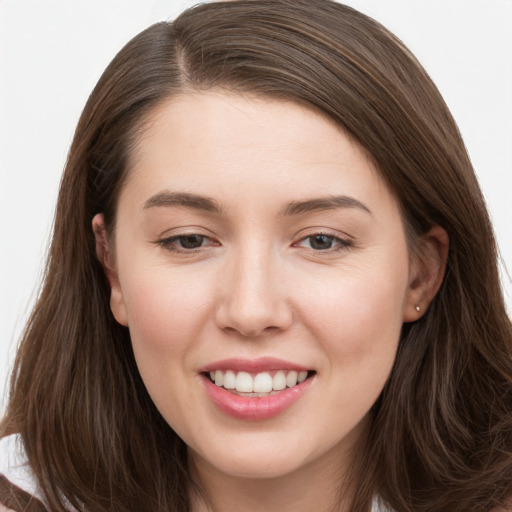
(168, 241)
(344, 241)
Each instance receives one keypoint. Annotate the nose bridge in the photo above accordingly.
(254, 300)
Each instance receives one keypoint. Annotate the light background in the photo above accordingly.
(53, 52)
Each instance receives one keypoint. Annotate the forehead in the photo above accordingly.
(219, 116)
(233, 143)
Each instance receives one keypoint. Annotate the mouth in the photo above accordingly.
(261, 384)
(255, 390)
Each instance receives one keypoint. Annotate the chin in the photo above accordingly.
(273, 455)
(265, 465)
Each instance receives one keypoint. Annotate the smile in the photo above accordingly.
(259, 385)
(255, 389)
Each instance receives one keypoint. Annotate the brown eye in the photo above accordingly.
(190, 241)
(186, 243)
(321, 242)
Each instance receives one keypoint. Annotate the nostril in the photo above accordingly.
(251, 314)
(251, 332)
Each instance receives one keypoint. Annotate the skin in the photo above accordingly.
(258, 285)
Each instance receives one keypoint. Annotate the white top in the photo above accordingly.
(14, 466)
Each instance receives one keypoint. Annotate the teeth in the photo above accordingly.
(261, 384)
(244, 383)
(229, 380)
(279, 381)
(291, 379)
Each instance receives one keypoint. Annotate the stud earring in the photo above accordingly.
(418, 308)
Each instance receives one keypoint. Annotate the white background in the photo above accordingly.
(53, 52)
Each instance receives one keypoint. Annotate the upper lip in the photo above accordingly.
(263, 364)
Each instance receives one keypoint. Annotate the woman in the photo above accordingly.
(272, 284)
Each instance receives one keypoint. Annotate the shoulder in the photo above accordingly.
(377, 506)
(18, 487)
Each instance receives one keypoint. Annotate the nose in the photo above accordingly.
(255, 300)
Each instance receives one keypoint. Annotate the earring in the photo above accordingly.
(418, 308)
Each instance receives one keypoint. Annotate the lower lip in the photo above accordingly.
(254, 408)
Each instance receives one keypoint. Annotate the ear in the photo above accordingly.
(106, 258)
(427, 269)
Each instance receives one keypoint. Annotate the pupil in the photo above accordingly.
(191, 241)
(321, 242)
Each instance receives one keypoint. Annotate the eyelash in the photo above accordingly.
(171, 244)
(343, 243)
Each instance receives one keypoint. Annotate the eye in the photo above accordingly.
(186, 242)
(322, 242)
(190, 241)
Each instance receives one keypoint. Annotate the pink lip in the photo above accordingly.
(264, 364)
(253, 408)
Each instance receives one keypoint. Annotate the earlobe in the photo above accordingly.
(106, 258)
(428, 265)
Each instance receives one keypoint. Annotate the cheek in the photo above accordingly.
(164, 311)
(358, 326)
(165, 319)
(358, 317)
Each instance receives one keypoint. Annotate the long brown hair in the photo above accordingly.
(440, 435)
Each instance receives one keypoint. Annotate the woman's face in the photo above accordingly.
(256, 245)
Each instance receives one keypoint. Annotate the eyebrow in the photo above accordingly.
(207, 204)
(183, 200)
(322, 204)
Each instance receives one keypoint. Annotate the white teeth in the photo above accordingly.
(244, 382)
(291, 379)
(261, 384)
(229, 380)
(279, 381)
